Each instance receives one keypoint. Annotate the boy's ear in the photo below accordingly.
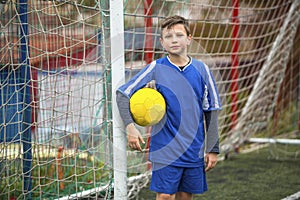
(189, 38)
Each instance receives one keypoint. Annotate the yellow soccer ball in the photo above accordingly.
(147, 107)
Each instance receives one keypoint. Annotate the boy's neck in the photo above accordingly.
(179, 60)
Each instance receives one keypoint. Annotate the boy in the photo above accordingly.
(177, 141)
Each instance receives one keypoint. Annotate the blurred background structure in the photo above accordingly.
(56, 109)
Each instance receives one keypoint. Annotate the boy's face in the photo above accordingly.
(175, 40)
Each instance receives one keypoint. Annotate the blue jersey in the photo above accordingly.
(178, 139)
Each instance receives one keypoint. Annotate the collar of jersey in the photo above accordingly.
(178, 66)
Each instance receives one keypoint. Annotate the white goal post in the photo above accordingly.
(118, 77)
(62, 60)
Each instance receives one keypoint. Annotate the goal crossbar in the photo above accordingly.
(274, 140)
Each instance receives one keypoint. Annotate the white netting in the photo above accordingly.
(55, 100)
(251, 47)
(67, 148)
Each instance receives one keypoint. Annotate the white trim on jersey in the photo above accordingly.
(211, 82)
(205, 99)
(130, 87)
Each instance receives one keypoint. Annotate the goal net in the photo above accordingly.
(56, 122)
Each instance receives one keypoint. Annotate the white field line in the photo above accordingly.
(293, 196)
(273, 140)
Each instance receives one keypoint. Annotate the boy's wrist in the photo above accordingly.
(130, 126)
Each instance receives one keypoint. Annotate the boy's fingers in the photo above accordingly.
(135, 145)
(151, 84)
(207, 163)
(208, 167)
(206, 160)
(141, 139)
(139, 147)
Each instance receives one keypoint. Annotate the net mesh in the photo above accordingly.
(55, 100)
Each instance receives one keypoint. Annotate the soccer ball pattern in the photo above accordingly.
(147, 107)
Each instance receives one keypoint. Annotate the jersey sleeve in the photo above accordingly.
(124, 110)
(211, 100)
(138, 81)
(124, 92)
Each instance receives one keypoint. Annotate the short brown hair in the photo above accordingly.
(173, 20)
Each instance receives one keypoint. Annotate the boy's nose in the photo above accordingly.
(174, 39)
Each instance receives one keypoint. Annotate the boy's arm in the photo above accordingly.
(211, 120)
(133, 135)
(212, 141)
(124, 110)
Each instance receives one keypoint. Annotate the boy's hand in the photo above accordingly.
(210, 161)
(151, 84)
(134, 137)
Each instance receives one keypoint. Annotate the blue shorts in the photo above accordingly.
(172, 179)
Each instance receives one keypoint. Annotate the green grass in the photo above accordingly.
(77, 174)
(252, 176)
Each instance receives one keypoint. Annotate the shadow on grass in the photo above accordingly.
(251, 176)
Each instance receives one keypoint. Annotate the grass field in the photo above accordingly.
(251, 176)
